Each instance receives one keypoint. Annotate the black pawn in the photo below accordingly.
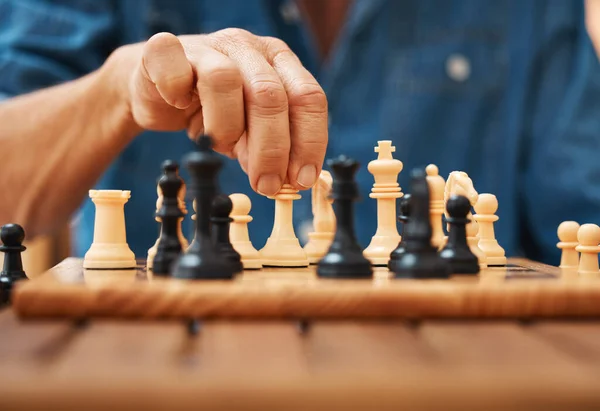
(403, 216)
(420, 259)
(201, 261)
(220, 219)
(457, 251)
(344, 258)
(169, 248)
(12, 236)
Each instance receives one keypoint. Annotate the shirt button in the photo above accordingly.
(290, 12)
(458, 67)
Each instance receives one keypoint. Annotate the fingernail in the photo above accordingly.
(307, 176)
(268, 184)
(183, 102)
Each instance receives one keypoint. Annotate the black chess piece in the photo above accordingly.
(201, 261)
(457, 251)
(220, 219)
(12, 236)
(420, 259)
(345, 258)
(403, 216)
(169, 247)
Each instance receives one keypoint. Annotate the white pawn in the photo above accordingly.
(386, 191)
(184, 243)
(283, 248)
(567, 234)
(320, 239)
(238, 232)
(437, 185)
(588, 236)
(485, 210)
(109, 248)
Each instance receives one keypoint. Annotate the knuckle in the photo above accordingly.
(223, 77)
(268, 95)
(273, 156)
(310, 97)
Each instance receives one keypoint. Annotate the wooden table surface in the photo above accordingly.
(258, 365)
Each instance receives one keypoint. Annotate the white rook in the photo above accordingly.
(386, 191)
(110, 248)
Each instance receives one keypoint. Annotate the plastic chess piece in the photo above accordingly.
(201, 261)
(485, 209)
(12, 236)
(238, 232)
(420, 258)
(220, 220)
(345, 258)
(588, 236)
(109, 248)
(283, 248)
(437, 185)
(169, 245)
(567, 234)
(403, 217)
(320, 239)
(182, 240)
(386, 191)
(457, 252)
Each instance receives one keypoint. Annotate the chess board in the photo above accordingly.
(522, 289)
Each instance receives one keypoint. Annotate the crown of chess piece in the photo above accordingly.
(457, 251)
(485, 209)
(403, 217)
(12, 237)
(220, 220)
(345, 258)
(420, 258)
(238, 231)
(567, 235)
(386, 191)
(588, 237)
(170, 214)
(202, 261)
(437, 186)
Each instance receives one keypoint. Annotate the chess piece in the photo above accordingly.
(238, 232)
(459, 183)
(169, 244)
(201, 261)
(457, 251)
(344, 259)
(588, 237)
(12, 236)
(420, 258)
(437, 185)
(567, 234)
(220, 220)
(182, 240)
(386, 191)
(403, 216)
(109, 248)
(320, 239)
(283, 248)
(485, 209)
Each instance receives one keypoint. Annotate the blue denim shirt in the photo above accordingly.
(508, 91)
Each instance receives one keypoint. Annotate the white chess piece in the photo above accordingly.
(386, 191)
(283, 248)
(238, 232)
(437, 186)
(459, 183)
(320, 239)
(588, 237)
(485, 209)
(109, 248)
(182, 240)
(567, 234)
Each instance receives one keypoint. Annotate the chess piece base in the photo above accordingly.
(460, 263)
(378, 252)
(190, 266)
(420, 265)
(106, 256)
(283, 253)
(343, 264)
(496, 261)
(317, 246)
